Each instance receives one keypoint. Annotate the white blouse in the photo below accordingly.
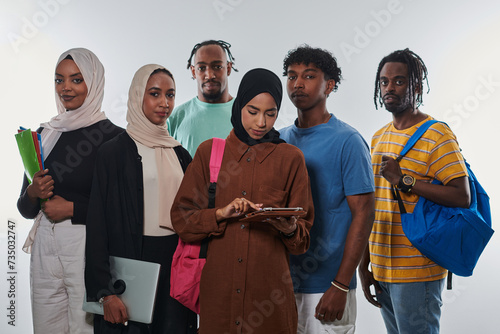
(151, 194)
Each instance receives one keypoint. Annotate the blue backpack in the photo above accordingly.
(454, 238)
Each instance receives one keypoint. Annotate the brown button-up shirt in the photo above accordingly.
(246, 285)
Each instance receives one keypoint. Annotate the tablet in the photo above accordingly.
(141, 279)
(264, 213)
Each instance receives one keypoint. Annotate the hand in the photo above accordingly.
(331, 306)
(115, 311)
(390, 170)
(367, 279)
(237, 207)
(42, 186)
(286, 226)
(58, 209)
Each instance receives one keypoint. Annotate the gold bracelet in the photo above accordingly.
(339, 287)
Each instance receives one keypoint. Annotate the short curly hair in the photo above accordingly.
(321, 58)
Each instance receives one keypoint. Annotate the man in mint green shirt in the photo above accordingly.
(208, 114)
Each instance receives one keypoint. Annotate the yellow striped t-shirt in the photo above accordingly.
(435, 155)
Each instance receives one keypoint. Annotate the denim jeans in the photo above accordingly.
(411, 308)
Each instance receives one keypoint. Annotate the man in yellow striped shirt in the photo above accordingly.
(408, 285)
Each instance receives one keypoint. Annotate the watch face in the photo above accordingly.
(408, 180)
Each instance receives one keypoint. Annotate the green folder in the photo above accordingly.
(28, 153)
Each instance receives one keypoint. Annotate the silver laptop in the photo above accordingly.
(141, 280)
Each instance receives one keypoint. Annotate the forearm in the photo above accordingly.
(301, 196)
(193, 224)
(365, 259)
(354, 251)
(27, 207)
(363, 214)
(455, 194)
(367, 279)
(332, 304)
(300, 241)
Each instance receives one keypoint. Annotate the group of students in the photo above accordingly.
(132, 193)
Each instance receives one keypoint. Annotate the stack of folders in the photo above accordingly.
(30, 147)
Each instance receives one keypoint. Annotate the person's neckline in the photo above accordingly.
(327, 117)
(215, 103)
(407, 129)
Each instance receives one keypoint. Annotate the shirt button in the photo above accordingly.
(240, 260)
(238, 290)
(243, 192)
(242, 226)
(248, 159)
(237, 323)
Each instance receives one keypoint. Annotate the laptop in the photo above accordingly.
(141, 282)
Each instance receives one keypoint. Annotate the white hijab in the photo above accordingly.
(89, 112)
(154, 136)
(139, 127)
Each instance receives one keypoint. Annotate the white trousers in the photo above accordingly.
(308, 324)
(57, 279)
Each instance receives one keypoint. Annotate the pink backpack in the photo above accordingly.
(189, 258)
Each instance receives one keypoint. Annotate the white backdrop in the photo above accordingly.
(458, 40)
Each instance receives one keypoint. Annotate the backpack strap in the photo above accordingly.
(218, 145)
(415, 137)
(409, 144)
(216, 155)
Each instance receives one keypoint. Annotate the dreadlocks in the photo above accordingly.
(417, 73)
(224, 45)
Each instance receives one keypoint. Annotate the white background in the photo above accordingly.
(458, 40)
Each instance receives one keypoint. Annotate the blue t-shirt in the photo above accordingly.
(339, 165)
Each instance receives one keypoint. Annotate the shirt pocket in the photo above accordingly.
(272, 197)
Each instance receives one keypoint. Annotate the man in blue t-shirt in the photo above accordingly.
(208, 114)
(339, 166)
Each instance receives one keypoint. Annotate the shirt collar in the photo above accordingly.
(240, 149)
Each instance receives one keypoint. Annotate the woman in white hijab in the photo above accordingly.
(58, 196)
(136, 178)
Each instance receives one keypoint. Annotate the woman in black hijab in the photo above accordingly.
(255, 82)
(246, 284)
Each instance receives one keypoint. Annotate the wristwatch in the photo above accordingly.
(406, 182)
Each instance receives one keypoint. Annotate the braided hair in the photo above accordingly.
(417, 74)
(224, 45)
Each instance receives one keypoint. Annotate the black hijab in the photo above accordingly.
(254, 82)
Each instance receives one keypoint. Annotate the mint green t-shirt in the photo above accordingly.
(195, 121)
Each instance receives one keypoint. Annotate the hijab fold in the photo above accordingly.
(253, 83)
(153, 136)
(139, 127)
(89, 112)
